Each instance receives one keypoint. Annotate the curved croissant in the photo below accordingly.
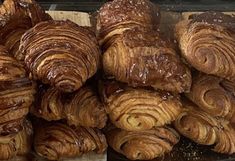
(85, 109)
(214, 95)
(49, 104)
(16, 94)
(139, 109)
(207, 41)
(143, 145)
(57, 141)
(19, 145)
(116, 16)
(16, 17)
(81, 108)
(61, 53)
(142, 58)
(205, 129)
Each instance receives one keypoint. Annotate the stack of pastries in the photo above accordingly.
(143, 77)
(44, 66)
(207, 43)
(146, 95)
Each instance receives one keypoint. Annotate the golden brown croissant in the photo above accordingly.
(16, 17)
(56, 141)
(142, 58)
(139, 109)
(205, 129)
(16, 94)
(85, 109)
(214, 95)
(19, 145)
(61, 53)
(81, 108)
(49, 104)
(207, 42)
(143, 145)
(116, 16)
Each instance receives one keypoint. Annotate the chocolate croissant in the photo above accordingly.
(61, 54)
(19, 145)
(214, 95)
(205, 129)
(207, 41)
(85, 109)
(139, 109)
(55, 141)
(16, 17)
(81, 108)
(117, 16)
(16, 94)
(142, 58)
(143, 145)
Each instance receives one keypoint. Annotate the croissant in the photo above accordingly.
(16, 95)
(142, 58)
(85, 109)
(56, 141)
(143, 145)
(61, 54)
(19, 145)
(207, 41)
(49, 104)
(117, 16)
(139, 109)
(205, 129)
(214, 95)
(81, 108)
(16, 17)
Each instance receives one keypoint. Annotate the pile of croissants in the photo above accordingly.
(67, 90)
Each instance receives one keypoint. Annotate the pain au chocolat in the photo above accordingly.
(205, 129)
(139, 109)
(143, 145)
(56, 141)
(141, 57)
(61, 54)
(16, 17)
(81, 108)
(207, 42)
(214, 95)
(16, 95)
(119, 15)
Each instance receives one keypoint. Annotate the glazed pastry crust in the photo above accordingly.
(16, 94)
(214, 95)
(206, 129)
(207, 42)
(139, 109)
(16, 17)
(61, 54)
(56, 141)
(142, 58)
(81, 108)
(143, 145)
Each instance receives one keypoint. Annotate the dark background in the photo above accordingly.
(173, 5)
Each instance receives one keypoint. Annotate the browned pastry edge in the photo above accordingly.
(141, 57)
(137, 109)
(118, 15)
(17, 16)
(61, 54)
(56, 141)
(143, 145)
